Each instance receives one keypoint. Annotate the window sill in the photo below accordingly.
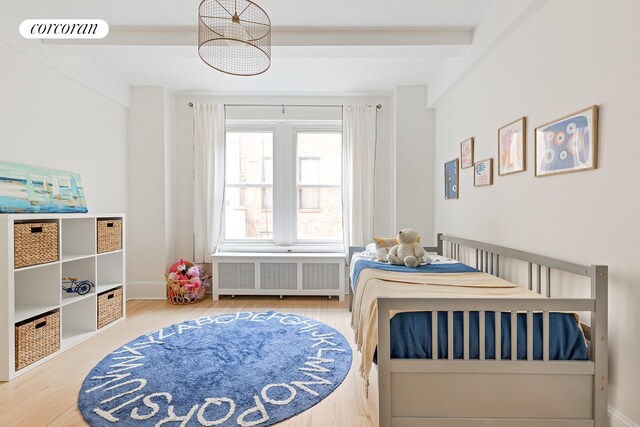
(272, 255)
(282, 250)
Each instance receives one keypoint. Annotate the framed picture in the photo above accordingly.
(466, 153)
(30, 189)
(568, 144)
(483, 173)
(512, 151)
(451, 180)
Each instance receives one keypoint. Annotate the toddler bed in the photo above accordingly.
(555, 376)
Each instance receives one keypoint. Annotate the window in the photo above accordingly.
(248, 190)
(308, 174)
(319, 185)
(283, 186)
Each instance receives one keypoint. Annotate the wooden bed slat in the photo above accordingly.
(530, 276)
(545, 336)
(492, 270)
(529, 335)
(548, 282)
(539, 280)
(514, 335)
(481, 332)
(465, 339)
(498, 330)
(434, 335)
(450, 335)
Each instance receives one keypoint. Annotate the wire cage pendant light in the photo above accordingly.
(234, 36)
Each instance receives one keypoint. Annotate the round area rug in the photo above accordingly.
(239, 369)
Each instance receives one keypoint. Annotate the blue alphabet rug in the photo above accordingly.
(241, 369)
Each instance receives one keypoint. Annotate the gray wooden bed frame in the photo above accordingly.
(464, 392)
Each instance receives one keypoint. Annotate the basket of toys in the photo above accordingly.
(186, 283)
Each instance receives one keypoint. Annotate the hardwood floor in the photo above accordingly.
(47, 395)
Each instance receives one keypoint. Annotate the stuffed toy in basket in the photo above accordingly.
(186, 283)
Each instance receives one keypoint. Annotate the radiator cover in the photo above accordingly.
(273, 274)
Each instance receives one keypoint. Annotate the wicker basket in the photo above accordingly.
(109, 235)
(37, 338)
(109, 307)
(179, 291)
(35, 243)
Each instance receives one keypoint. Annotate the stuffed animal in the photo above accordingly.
(193, 272)
(408, 251)
(180, 266)
(195, 282)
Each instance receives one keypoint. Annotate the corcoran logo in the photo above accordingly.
(64, 29)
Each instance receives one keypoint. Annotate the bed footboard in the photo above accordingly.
(460, 392)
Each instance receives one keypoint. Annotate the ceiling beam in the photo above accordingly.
(291, 36)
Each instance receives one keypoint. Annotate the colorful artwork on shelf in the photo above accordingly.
(568, 144)
(466, 153)
(28, 189)
(451, 180)
(483, 173)
(512, 147)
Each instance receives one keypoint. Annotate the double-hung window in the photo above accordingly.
(283, 186)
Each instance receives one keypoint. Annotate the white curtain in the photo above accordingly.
(358, 171)
(208, 180)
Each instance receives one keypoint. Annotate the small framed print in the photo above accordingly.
(568, 144)
(512, 147)
(483, 173)
(466, 153)
(451, 180)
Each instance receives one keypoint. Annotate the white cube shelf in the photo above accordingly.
(32, 291)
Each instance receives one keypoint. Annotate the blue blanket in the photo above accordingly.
(427, 268)
(411, 336)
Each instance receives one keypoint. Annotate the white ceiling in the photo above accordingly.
(289, 13)
(322, 66)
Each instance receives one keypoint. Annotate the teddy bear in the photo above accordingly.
(408, 251)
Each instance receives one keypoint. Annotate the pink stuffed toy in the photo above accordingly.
(193, 272)
(195, 282)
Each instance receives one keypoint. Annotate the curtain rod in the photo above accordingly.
(379, 106)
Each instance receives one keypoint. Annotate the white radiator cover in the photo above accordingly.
(278, 274)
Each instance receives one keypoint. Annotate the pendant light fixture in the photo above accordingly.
(234, 36)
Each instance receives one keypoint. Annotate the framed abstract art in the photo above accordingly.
(568, 144)
(512, 151)
(483, 173)
(466, 153)
(451, 180)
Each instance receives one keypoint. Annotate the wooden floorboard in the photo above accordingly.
(47, 395)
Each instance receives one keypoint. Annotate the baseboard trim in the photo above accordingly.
(146, 290)
(618, 419)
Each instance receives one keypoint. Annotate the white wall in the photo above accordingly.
(151, 182)
(384, 219)
(414, 144)
(570, 54)
(51, 120)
